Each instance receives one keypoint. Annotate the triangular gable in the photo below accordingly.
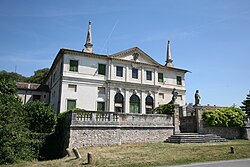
(136, 55)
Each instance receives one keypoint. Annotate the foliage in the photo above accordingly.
(7, 87)
(14, 134)
(12, 76)
(164, 109)
(228, 117)
(40, 118)
(39, 76)
(246, 104)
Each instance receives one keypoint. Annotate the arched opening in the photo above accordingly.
(134, 104)
(149, 105)
(119, 102)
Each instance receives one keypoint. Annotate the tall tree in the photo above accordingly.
(246, 104)
(12, 76)
(39, 76)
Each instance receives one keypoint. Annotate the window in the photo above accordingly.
(161, 95)
(100, 106)
(160, 77)
(179, 80)
(119, 71)
(73, 65)
(134, 104)
(102, 69)
(135, 73)
(71, 104)
(72, 88)
(149, 105)
(149, 75)
(119, 102)
(101, 90)
(36, 97)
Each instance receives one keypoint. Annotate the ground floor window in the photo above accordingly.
(134, 104)
(118, 102)
(100, 106)
(149, 105)
(71, 104)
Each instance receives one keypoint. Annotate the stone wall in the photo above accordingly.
(246, 129)
(225, 132)
(107, 128)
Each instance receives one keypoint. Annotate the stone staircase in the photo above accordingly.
(194, 138)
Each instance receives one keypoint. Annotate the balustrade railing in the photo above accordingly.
(82, 117)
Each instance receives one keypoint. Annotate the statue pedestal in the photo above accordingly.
(198, 114)
(176, 118)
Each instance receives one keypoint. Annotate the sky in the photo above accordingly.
(210, 38)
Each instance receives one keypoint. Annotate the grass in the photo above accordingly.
(152, 154)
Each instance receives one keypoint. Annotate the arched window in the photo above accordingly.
(118, 102)
(134, 104)
(149, 104)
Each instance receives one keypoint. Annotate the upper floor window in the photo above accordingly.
(149, 75)
(135, 73)
(101, 90)
(73, 65)
(179, 80)
(72, 87)
(102, 69)
(160, 77)
(119, 71)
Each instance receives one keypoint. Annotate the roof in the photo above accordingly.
(32, 86)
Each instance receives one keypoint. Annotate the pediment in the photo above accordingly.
(135, 55)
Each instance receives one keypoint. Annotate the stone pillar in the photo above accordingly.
(143, 109)
(126, 101)
(127, 74)
(142, 75)
(176, 119)
(198, 114)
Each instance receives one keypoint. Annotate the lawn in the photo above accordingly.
(152, 154)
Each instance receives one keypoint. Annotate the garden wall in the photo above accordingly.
(89, 128)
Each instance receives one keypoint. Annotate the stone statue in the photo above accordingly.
(197, 98)
(174, 97)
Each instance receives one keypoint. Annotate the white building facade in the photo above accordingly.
(129, 81)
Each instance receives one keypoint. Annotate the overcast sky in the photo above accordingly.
(210, 38)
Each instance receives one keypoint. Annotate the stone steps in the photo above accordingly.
(194, 138)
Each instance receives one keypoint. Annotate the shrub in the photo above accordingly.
(164, 109)
(228, 117)
(14, 133)
(40, 118)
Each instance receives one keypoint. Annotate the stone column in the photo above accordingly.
(127, 74)
(198, 114)
(142, 75)
(126, 101)
(176, 119)
(143, 110)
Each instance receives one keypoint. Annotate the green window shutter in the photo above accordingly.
(100, 106)
(71, 104)
(73, 65)
(149, 75)
(102, 69)
(160, 77)
(179, 80)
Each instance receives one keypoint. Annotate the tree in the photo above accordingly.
(14, 133)
(12, 76)
(246, 104)
(39, 76)
(40, 118)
